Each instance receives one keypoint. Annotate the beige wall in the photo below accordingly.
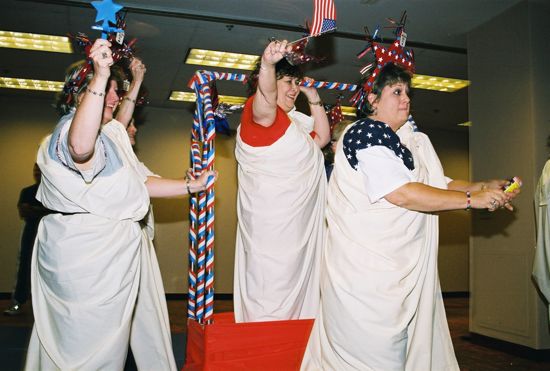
(23, 124)
(163, 147)
(454, 226)
(508, 62)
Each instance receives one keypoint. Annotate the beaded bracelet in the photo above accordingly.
(318, 103)
(99, 94)
(468, 200)
(187, 185)
(129, 99)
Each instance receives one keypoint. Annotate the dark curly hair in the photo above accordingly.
(282, 68)
(389, 75)
(65, 100)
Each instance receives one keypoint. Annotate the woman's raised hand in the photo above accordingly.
(275, 51)
(138, 70)
(102, 58)
(310, 92)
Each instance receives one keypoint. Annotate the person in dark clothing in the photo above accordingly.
(31, 211)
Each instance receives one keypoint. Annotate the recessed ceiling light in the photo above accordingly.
(33, 41)
(438, 83)
(349, 111)
(213, 58)
(30, 84)
(184, 96)
(203, 57)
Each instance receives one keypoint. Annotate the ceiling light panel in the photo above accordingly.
(203, 57)
(184, 96)
(213, 58)
(30, 84)
(349, 111)
(438, 83)
(33, 41)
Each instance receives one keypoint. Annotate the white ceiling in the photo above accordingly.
(166, 29)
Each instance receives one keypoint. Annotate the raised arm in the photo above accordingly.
(321, 125)
(128, 104)
(264, 108)
(87, 120)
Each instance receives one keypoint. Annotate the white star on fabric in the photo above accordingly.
(380, 141)
(358, 142)
(369, 135)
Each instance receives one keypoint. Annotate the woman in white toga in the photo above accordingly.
(281, 195)
(381, 306)
(96, 286)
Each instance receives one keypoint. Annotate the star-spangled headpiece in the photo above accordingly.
(395, 53)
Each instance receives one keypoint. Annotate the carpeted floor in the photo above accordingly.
(474, 352)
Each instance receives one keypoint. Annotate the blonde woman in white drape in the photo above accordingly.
(381, 305)
(281, 195)
(90, 262)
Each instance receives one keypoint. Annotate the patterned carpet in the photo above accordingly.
(474, 352)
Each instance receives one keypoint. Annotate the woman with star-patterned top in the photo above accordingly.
(381, 306)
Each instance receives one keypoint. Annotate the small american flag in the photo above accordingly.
(324, 17)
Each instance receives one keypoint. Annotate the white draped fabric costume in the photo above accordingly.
(281, 227)
(541, 265)
(96, 284)
(381, 305)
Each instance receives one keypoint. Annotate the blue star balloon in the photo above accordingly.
(106, 12)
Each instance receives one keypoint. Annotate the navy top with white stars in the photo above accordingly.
(368, 133)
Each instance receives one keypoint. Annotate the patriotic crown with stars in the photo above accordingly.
(395, 53)
(122, 51)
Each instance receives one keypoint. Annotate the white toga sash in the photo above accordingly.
(280, 206)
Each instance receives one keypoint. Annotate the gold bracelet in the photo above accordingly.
(100, 94)
(130, 99)
(318, 103)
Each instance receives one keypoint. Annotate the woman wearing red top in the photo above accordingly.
(281, 195)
